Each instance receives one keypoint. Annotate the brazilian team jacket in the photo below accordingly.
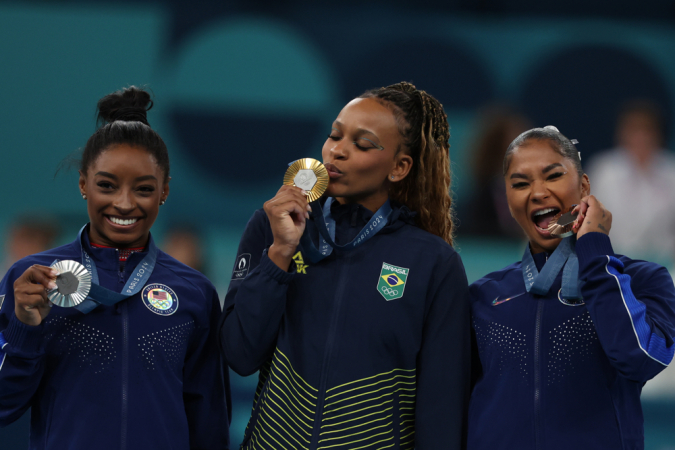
(366, 349)
(555, 374)
(128, 376)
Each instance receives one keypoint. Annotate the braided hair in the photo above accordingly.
(122, 118)
(424, 127)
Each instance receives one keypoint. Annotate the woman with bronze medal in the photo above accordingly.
(354, 308)
(110, 341)
(566, 338)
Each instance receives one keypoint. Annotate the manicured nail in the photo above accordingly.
(54, 272)
(303, 192)
(51, 285)
(307, 216)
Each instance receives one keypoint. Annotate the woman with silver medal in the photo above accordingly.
(566, 338)
(354, 307)
(108, 340)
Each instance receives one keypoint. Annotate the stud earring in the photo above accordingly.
(161, 202)
(392, 177)
(84, 196)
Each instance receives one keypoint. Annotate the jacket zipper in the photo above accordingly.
(330, 341)
(125, 364)
(537, 375)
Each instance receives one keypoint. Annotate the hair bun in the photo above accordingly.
(130, 105)
(551, 127)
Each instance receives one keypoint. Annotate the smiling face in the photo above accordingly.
(540, 182)
(124, 187)
(361, 154)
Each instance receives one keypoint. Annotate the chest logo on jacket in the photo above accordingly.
(300, 263)
(160, 299)
(241, 266)
(391, 282)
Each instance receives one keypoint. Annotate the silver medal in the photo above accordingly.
(72, 284)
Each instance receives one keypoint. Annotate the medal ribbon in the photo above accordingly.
(326, 226)
(98, 295)
(540, 283)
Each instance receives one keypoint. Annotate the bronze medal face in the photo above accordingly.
(561, 225)
(310, 175)
(72, 284)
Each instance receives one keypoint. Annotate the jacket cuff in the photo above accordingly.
(593, 244)
(23, 338)
(268, 267)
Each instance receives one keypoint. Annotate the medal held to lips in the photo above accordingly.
(562, 223)
(72, 284)
(308, 174)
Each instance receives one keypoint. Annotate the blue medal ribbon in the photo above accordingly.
(98, 295)
(326, 225)
(563, 256)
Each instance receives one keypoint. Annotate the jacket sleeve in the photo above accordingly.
(443, 363)
(633, 308)
(22, 359)
(206, 384)
(255, 301)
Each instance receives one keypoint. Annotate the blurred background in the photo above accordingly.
(244, 87)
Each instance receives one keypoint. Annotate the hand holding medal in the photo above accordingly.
(305, 181)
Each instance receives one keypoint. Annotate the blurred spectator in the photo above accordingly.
(184, 244)
(28, 235)
(636, 181)
(485, 212)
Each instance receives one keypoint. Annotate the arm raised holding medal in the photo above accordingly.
(366, 343)
(114, 331)
(573, 329)
(287, 212)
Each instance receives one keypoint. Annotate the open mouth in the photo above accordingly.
(542, 218)
(122, 222)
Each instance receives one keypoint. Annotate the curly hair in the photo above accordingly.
(424, 127)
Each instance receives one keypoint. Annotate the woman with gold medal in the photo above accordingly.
(566, 338)
(110, 341)
(354, 308)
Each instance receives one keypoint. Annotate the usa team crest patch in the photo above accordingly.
(391, 283)
(160, 299)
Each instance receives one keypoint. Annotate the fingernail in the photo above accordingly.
(51, 285)
(303, 192)
(55, 273)
(309, 207)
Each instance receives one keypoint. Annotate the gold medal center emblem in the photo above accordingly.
(308, 174)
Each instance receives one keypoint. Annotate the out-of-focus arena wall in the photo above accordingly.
(240, 95)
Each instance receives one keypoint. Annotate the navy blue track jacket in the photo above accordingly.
(122, 377)
(366, 349)
(555, 375)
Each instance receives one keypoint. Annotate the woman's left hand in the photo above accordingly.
(592, 216)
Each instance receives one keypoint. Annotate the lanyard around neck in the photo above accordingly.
(563, 256)
(98, 295)
(325, 224)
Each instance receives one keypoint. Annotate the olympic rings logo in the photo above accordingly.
(389, 291)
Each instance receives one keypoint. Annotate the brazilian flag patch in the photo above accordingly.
(391, 283)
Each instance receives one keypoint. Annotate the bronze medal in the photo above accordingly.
(562, 223)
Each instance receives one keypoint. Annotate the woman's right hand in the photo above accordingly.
(287, 212)
(31, 304)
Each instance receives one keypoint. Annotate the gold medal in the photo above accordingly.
(561, 224)
(308, 174)
(72, 284)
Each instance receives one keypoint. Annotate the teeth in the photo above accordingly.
(544, 211)
(122, 221)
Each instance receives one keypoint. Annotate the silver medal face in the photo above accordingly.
(72, 284)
